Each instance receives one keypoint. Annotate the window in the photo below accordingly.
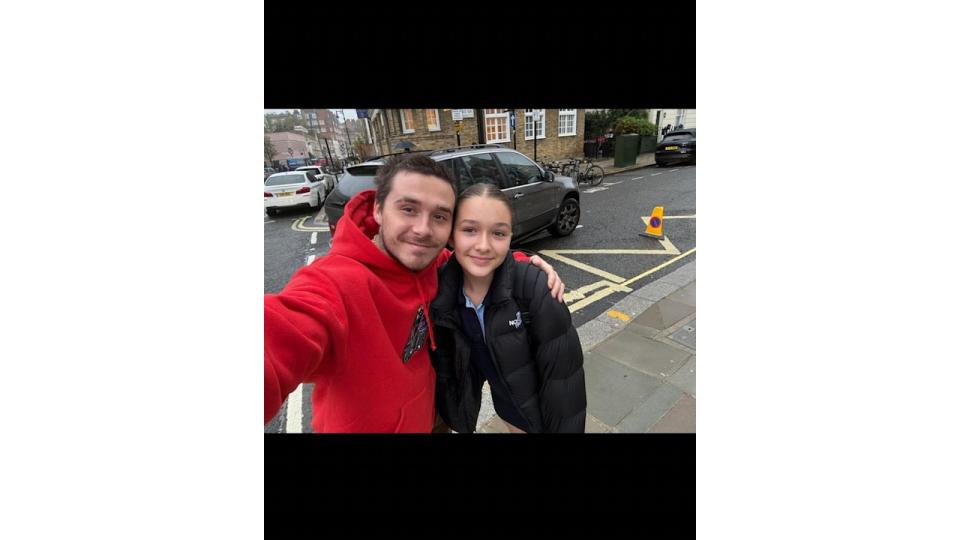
(520, 171)
(433, 119)
(406, 120)
(479, 168)
(568, 122)
(528, 122)
(322, 123)
(495, 121)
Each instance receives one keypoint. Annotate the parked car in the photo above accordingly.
(329, 180)
(540, 199)
(677, 147)
(294, 188)
(267, 171)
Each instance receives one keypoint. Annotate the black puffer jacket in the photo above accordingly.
(540, 360)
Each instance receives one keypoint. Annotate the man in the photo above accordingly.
(356, 322)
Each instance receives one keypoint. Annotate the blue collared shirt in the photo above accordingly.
(479, 311)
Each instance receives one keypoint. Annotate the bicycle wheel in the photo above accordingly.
(595, 175)
(567, 170)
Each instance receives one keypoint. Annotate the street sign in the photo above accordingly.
(362, 113)
(513, 120)
(458, 125)
(457, 115)
(296, 162)
(467, 113)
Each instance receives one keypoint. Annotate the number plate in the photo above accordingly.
(670, 148)
(285, 194)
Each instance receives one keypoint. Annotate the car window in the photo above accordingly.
(678, 136)
(481, 169)
(520, 171)
(462, 173)
(285, 178)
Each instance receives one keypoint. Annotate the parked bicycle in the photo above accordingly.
(583, 171)
(553, 166)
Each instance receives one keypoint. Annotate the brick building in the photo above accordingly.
(559, 131)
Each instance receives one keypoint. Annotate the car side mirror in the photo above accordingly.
(548, 176)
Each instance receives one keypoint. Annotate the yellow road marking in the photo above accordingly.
(654, 269)
(592, 298)
(298, 225)
(608, 288)
(582, 266)
(618, 315)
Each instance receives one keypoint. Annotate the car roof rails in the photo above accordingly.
(382, 156)
(466, 147)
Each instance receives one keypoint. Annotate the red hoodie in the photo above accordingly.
(342, 323)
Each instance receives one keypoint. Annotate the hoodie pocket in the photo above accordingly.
(417, 414)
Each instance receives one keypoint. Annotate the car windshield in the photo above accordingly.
(678, 136)
(285, 178)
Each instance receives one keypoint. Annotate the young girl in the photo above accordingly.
(495, 321)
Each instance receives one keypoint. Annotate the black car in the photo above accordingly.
(678, 146)
(540, 199)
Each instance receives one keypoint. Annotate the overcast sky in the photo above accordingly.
(350, 114)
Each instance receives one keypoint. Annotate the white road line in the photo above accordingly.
(313, 237)
(656, 173)
(674, 170)
(310, 259)
(637, 178)
(265, 222)
(579, 226)
(295, 411)
(613, 183)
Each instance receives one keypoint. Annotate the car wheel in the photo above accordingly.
(567, 218)
(271, 212)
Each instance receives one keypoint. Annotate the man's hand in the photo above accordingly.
(553, 280)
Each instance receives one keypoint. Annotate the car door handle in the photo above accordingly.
(518, 195)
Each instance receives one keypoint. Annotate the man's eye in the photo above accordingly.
(407, 210)
(440, 217)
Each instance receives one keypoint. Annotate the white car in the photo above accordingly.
(292, 188)
(329, 180)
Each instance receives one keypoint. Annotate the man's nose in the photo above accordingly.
(421, 227)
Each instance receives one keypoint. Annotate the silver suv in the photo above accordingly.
(540, 199)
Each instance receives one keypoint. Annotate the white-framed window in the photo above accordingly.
(496, 122)
(433, 119)
(528, 121)
(568, 122)
(406, 120)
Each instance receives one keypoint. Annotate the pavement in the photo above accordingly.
(640, 361)
(643, 160)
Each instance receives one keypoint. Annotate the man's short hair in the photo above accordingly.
(417, 163)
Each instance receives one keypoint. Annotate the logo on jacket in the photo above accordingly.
(516, 322)
(417, 335)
